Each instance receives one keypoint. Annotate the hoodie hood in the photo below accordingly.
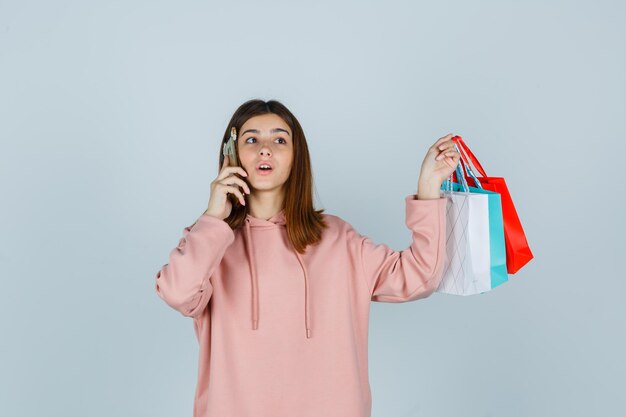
(278, 220)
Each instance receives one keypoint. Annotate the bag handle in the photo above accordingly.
(466, 162)
(461, 148)
(469, 171)
(468, 156)
(459, 173)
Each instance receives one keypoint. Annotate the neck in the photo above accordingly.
(264, 204)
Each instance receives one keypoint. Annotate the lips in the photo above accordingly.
(264, 163)
(264, 171)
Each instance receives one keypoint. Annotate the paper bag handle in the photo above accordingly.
(468, 156)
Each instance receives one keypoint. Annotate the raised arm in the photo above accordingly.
(400, 276)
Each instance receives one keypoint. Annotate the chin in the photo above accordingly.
(266, 185)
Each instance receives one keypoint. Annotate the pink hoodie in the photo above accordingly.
(283, 334)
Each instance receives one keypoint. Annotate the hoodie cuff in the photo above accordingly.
(433, 211)
(219, 228)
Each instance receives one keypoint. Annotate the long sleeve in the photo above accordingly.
(400, 276)
(184, 283)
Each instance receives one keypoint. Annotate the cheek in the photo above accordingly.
(245, 156)
(288, 166)
(287, 160)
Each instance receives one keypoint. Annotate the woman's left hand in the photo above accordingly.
(440, 162)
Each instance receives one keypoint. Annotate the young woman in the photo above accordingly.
(279, 292)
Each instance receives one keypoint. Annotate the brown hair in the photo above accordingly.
(304, 223)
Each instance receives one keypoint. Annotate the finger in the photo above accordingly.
(453, 162)
(446, 145)
(453, 154)
(228, 170)
(223, 167)
(442, 139)
(225, 163)
(448, 154)
(234, 190)
(234, 180)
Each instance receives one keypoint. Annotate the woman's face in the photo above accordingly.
(266, 138)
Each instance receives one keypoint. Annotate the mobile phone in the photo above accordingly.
(230, 147)
(229, 151)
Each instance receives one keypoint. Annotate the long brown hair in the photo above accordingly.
(304, 224)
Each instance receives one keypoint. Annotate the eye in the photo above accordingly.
(252, 137)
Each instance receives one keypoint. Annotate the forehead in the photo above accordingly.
(265, 123)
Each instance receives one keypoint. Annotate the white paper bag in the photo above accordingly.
(467, 268)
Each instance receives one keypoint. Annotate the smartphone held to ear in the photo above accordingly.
(229, 151)
(230, 146)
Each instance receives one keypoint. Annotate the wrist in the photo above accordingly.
(428, 190)
(208, 213)
(427, 196)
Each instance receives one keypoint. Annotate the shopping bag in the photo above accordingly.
(497, 248)
(497, 242)
(468, 269)
(518, 252)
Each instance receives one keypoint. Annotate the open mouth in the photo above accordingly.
(264, 168)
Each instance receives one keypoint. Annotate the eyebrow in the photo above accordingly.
(278, 129)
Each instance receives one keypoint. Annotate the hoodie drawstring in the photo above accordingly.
(255, 285)
(307, 304)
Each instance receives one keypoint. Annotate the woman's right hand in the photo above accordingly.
(225, 183)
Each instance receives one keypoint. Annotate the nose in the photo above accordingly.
(265, 151)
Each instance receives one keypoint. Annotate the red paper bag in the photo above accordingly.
(518, 252)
